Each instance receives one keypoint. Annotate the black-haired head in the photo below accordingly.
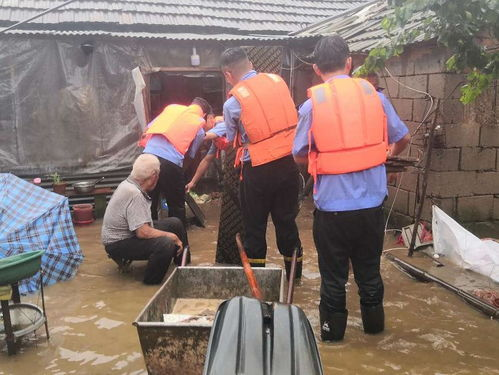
(203, 103)
(331, 54)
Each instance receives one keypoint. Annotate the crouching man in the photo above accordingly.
(128, 232)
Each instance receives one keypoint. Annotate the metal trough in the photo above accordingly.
(180, 347)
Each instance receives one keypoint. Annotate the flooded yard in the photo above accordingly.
(428, 330)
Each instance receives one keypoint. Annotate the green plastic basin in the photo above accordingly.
(20, 266)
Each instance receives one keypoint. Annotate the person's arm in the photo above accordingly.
(300, 143)
(399, 146)
(200, 171)
(398, 133)
(146, 232)
(219, 130)
(196, 143)
(138, 217)
(232, 113)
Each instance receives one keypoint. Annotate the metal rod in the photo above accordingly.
(426, 171)
(43, 305)
(36, 16)
(184, 256)
(471, 299)
(291, 281)
(255, 289)
(9, 332)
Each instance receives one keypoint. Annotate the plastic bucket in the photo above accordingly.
(83, 214)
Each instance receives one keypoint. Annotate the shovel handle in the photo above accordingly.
(255, 289)
(291, 281)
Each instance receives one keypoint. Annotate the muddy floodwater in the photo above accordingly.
(428, 330)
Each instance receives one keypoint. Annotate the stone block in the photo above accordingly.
(409, 179)
(451, 111)
(478, 159)
(400, 65)
(420, 107)
(403, 108)
(445, 85)
(483, 110)
(401, 200)
(391, 87)
(448, 205)
(477, 208)
(489, 136)
(446, 159)
(495, 214)
(487, 183)
(430, 60)
(451, 184)
(461, 135)
(419, 82)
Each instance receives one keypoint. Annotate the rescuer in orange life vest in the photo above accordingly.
(261, 118)
(343, 134)
(178, 131)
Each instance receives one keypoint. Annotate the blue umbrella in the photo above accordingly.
(32, 218)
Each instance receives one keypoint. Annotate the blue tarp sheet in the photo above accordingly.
(32, 218)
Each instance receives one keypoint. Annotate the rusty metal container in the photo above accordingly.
(180, 347)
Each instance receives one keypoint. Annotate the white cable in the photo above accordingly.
(394, 248)
(303, 61)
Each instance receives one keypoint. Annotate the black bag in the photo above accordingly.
(257, 338)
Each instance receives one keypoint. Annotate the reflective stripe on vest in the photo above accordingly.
(179, 124)
(348, 127)
(268, 115)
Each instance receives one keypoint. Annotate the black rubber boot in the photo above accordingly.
(373, 318)
(287, 265)
(333, 325)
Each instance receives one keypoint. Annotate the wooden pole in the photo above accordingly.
(255, 289)
(426, 170)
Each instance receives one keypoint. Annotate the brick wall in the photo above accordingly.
(464, 177)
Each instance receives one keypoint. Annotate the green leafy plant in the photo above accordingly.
(463, 26)
(56, 178)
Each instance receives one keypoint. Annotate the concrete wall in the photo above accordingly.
(464, 177)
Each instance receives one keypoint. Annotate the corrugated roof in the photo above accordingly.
(361, 26)
(169, 36)
(200, 17)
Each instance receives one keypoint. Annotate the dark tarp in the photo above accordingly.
(64, 110)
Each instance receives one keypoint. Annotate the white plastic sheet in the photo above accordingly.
(463, 248)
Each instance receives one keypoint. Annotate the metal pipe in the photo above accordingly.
(291, 281)
(471, 299)
(36, 16)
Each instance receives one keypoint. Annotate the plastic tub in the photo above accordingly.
(20, 266)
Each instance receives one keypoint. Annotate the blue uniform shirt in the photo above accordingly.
(232, 115)
(220, 130)
(349, 191)
(158, 145)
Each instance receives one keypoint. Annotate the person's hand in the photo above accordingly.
(189, 186)
(175, 239)
(180, 251)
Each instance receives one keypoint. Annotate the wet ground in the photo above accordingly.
(428, 330)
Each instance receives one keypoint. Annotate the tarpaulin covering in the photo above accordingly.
(463, 248)
(71, 109)
(32, 218)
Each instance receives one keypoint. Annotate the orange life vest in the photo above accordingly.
(179, 124)
(268, 115)
(348, 126)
